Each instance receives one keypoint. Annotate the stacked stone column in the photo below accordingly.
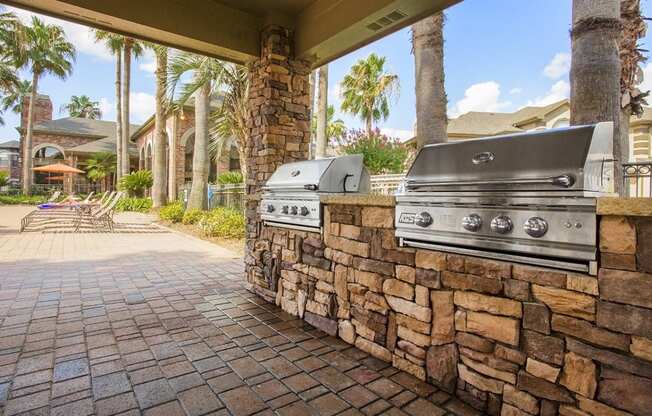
(279, 132)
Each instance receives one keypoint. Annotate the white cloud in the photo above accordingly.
(107, 108)
(483, 96)
(147, 62)
(400, 134)
(516, 91)
(558, 66)
(80, 36)
(559, 91)
(646, 85)
(141, 106)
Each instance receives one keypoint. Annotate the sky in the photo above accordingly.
(499, 55)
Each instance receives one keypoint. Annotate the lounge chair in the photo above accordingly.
(102, 217)
(54, 196)
(58, 214)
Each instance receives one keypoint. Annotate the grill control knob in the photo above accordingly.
(294, 210)
(535, 227)
(502, 224)
(270, 208)
(284, 209)
(472, 222)
(423, 219)
(304, 211)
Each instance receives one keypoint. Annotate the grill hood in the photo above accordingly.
(578, 158)
(331, 175)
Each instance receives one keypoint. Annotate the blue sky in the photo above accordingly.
(500, 55)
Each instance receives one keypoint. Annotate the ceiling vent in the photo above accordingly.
(386, 20)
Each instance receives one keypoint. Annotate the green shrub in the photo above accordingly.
(134, 204)
(192, 216)
(225, 178)
(382, 154)
(22, 199)
(136, 182)
(172, 212)
(223, 222)
(4, 179)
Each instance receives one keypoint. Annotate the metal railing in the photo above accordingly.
(230, 196)
(637, 179)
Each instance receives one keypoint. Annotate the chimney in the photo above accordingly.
(42, 110)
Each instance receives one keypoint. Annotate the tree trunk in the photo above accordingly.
(200, 159)
(27, 144)
(118, 114)
(369, 126)
(126, 80)
(159, 189)
(428, 46)
(322, 114)
(312, 79)
(595, 70)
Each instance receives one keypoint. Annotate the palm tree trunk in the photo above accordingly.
(428, 47)
(200, 159)
(322, 110)
(311, 80)
(126, 80)
(27, 144)
(118, 112)
(595, 70)
(369, 126)
(159, 197)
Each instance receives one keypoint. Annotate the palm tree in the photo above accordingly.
(82, 106)
(321, 141)
(115, 43)
(428, 48)
(595, 70)
(335, 129)
(100, 166)
(13, 99)
(130, 48)
(230, 119)
(159, 188)
(208, 74)
(11, 42)
(366, 90)
(47, 51)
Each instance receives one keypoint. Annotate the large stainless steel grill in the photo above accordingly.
(527, 197)
(291, 198)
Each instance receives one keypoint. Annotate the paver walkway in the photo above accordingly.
(160, 324)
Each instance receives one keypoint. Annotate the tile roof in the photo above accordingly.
(80, 126)
(11, 144)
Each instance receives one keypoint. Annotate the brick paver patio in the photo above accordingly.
(160, 324)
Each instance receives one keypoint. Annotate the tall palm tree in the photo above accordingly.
(115, 43)
(595, 69)
(366, 90)
(11, 46)
(47, 51)
(428, 48)
(208, 74)
(82, 106)
(229, 120)
(321, 141)
(159, 188)
(13, 99)
(131, 48)
(100, 166)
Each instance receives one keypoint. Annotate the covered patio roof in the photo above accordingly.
(229, 29)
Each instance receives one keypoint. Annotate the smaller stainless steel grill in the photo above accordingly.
(291, 198)
(523, 197)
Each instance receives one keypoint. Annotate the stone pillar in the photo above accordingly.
(279, 127)
(172, 157)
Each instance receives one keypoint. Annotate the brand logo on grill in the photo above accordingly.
(295, 173)
(406, 218)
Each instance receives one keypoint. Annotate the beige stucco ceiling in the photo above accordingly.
(229, 29)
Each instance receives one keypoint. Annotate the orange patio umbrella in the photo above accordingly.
(57, 168)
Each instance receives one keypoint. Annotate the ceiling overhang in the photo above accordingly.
(324, 29)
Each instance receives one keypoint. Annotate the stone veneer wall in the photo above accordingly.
(507, 338)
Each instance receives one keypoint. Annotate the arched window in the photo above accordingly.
(562, 122)
(47, 154)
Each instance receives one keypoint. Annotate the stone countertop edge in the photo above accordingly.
(638, 207)
(359, 199)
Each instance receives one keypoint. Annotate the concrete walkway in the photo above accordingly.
(160, 324)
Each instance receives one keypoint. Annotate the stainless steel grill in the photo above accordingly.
(522, 197)
(291, 198)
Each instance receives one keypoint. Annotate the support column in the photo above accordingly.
(172, 157)
(279, 132)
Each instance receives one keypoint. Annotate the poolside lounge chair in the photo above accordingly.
(102, 217)
(58, 214)
(54, 196)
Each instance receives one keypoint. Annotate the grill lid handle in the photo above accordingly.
(564, 181)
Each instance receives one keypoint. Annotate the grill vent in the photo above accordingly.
(386, 20)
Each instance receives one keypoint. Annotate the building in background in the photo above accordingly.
(9, 160)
